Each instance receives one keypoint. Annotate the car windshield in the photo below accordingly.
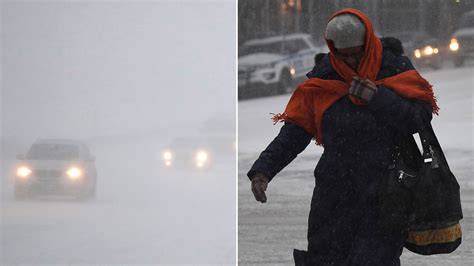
(411, 36)
(269, 48)
(404, 37)
(467, 22)
(188, 143)
(432, 42)
(53, 152)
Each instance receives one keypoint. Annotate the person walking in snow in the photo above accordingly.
(359, 103)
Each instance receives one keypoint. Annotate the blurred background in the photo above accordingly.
(118, 132)
(269, 27)
(278, 41)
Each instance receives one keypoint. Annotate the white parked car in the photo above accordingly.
(271, 64)
(56, 167)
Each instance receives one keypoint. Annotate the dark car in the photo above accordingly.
(56, 167)
(461, 45)
(427, 52)
(422, 49)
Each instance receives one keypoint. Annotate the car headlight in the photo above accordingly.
(167, 157)
(74, 173)
(201, 158)
(417, 53)
(454, 45)
(292, 71)
(428, 50)
(23, 172)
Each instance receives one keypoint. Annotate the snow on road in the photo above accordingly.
(142, 215)
(269, 232)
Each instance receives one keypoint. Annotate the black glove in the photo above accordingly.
(259, 186)
(362, 89)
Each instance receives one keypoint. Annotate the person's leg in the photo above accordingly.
(376, 251)
(331, 226)
(374, 245)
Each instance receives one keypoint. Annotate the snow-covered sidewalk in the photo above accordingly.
(269, 232)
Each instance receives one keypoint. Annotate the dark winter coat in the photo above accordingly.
(358, 147)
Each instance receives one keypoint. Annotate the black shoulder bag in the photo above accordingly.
(421, 193)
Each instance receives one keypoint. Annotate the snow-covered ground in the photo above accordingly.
(269, 232)
(143, 214)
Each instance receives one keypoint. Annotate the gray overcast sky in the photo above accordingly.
(84, 68)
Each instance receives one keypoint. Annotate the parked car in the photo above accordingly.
(422, 49)
(461, 45)
(56, 167)
(269, 66)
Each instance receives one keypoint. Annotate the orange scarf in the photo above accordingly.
(314, 96)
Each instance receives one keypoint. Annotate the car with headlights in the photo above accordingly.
(461, 45)
(197, 153)
(427, 52)
(56, 167)
(422, 49)
(270, 65)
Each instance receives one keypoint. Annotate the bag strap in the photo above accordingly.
(431, 146)
(432, 152)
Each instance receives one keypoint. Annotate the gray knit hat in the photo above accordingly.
(346, 30)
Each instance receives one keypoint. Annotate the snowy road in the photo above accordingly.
(269, 232)
(141, 216)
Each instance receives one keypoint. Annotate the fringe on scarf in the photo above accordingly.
(280, 117)
(433, 100)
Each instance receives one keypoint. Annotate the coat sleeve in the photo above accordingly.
(291, 140)
(405, 115)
